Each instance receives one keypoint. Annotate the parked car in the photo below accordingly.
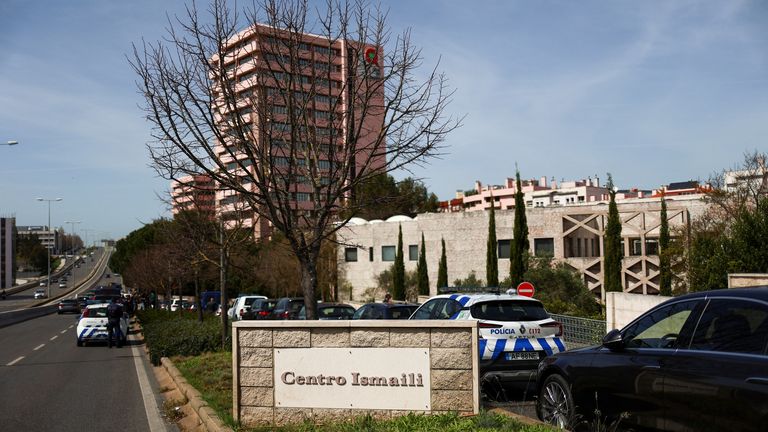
(92, 325)
(287, 308)
(69, 306)
(260, 309)
(330, 311)
(175, 305)
(40, 294)
(241, 305)
(695, 362)
(43, 283)
(62, 284)
(515, 331)
(385, 311)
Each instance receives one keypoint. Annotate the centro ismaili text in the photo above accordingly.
(404, 380)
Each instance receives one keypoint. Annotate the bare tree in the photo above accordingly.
(291, 123)
(743, 185)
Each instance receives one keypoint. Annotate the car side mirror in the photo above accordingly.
(613, 340)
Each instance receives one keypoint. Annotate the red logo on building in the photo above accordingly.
(372, 56)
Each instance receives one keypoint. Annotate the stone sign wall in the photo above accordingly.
(323, 371)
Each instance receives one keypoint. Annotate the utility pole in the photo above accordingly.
(48, 280)
(74, 255)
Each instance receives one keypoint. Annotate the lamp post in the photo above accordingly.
(74, 268)
(48, 281)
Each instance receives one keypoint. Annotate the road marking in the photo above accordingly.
(15, 361)
(38, 347)
(63, 331)
(71, 326)
(156, 423)
(54, 337)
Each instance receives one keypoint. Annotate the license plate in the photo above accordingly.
(522, 355)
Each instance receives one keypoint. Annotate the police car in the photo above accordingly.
(92, 325)
(515, 332)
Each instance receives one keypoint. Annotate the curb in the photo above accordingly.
(520, 418)
(207, 416)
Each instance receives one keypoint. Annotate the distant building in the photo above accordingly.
(537, 193)
(753, 180)
(690, 187)
(50, 239)
(7, 252)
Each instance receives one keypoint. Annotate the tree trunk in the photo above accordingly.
(223, 264)
(197, 297)
(309, 285)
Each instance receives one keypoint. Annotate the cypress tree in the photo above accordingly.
(398, 273)
(519, 246)
(612, 244)
(422, 269)
(442, 269)
(491, 257)
(665, 267)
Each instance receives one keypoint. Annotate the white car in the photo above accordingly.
(92, 325)
(242, 305)
(40, 294)
(516, 332)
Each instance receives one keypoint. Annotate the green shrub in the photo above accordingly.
(170, 334)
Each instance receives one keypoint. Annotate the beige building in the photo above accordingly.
(569, 233)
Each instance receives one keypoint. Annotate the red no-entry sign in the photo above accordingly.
(525, 289)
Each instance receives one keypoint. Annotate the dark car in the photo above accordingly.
(69, 306)
(696, 363)
(260, 309)
(287, 308)
(331, 311)
(385, 311)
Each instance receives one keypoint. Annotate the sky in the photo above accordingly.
(652, 92)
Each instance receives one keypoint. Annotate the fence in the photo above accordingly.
(580, 332)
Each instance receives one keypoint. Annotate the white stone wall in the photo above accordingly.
(465, 235)
(622, 308)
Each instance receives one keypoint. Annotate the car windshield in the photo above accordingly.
(509, 310)
(99, 312)
(336, 312)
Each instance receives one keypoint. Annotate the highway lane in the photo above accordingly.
(48, 383)
(26, 298)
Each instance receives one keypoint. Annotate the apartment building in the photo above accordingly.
(272, 71)
(194, 192)
(7, 252)
(569, 233)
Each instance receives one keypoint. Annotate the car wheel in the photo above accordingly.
(555, 403)
(79, 343)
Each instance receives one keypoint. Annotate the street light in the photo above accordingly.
(74, 268)
(48, 281)
(9, 143)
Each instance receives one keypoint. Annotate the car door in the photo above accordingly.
(719, 381)
(628, 381)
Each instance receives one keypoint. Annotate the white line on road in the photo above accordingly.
(71, 326)
(63, 331)
(38, 347)
(150, 406)
(15, 361)
(54, 337)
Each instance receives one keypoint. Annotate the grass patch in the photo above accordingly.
(211, 375)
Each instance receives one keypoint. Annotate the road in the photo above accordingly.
(26, 298)
(47, 383)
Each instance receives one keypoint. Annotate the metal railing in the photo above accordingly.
(580, 332)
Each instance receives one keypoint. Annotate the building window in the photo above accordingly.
(504, 249)
(350, 254)
(413, 252)
(370, 254)
(636, 247)
(544, 247)
(387, 253)
(651, 246)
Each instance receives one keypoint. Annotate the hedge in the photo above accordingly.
(170, 334)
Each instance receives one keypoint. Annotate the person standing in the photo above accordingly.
(114, 315)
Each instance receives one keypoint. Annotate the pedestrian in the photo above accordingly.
(2, 295)
(388, 298)
(114, 315)
(211, 306)
(153, 300)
